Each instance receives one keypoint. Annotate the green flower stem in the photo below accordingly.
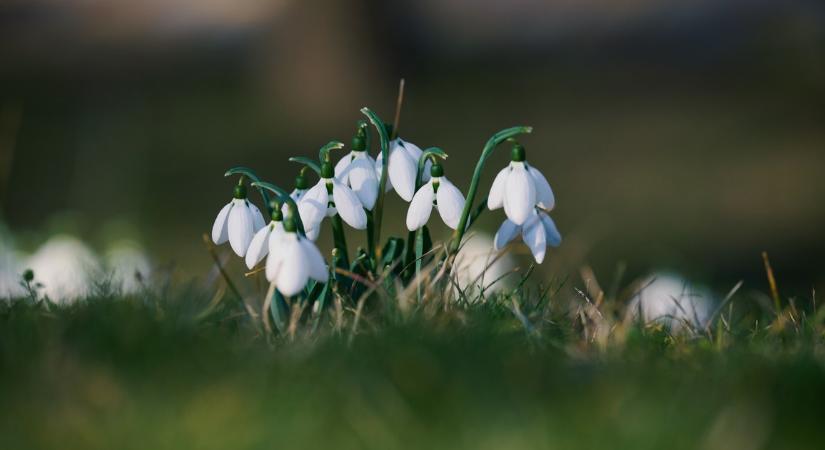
(249, 173)
(285, 198)
(491, 145)
(371, 236)
(323, 152)
(307, 162)
(340, 239)
(419, 252)
(378, 210)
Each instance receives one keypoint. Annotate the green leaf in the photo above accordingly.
(279, 310)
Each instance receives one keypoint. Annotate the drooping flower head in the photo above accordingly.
(259, 246)
(294, 260)
(438, 192)
(357, 171)
(327, 198)
(237, 222)
(520, 187)
(538, 232)
(402, 167)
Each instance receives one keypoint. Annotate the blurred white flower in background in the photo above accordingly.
(673, 301)
(478, 266)
(65, 266)
(10, 269)
(127, 263)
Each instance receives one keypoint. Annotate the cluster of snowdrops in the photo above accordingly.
(353, 190)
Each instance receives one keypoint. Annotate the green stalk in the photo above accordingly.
(491, 145)
(340, 239)
(382, 183)
(285, 198)
(371, 237)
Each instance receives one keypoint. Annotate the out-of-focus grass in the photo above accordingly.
(143, 372)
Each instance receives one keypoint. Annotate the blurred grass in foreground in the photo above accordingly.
(143, 372)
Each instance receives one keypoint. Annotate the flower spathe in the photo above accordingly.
(328, 197)
(442, 194)
(237, 222)
(519, 188)
(402, 167)
(538, 232)
(356, 170)
(294, 260)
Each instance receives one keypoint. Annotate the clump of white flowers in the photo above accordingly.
(352, 192)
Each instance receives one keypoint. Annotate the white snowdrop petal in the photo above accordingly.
(220, 232)
(312, 233)
(317, 267)
(379, 169)
(348, 206)
(241, 227)
(553, 235)
(341, 172)
(363, 182)
(519, 195)
(275, 235)
(313, 205)
(258, 247)
(535, 238)
(450, 203)
(294, 273)
(276, 256)
(506, 233)
(420, 208)
(297, 194)
(544, 194)
(402, 170)
(257, 218)
(496, 198)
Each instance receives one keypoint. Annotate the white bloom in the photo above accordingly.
(292, 261)
(402, 167)
(519, 187)
(237, 222)
(479, 266)
(259, 246)
(442, 194)
(538, 232)
(357, 170)
(318, 203)
(670, 299)
(126, 262)
(66, 267)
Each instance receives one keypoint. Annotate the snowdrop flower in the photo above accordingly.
(519, 187)
(357, 170)
(438, 192)
(237, 222)
(294, 260)
(671, 300)
(538, 232)
(402, 167)
(259, 247)
(479, 266)
(128, 264)
(327, 198)
(66, 267)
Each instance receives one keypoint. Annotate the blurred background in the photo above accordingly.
(683, 136)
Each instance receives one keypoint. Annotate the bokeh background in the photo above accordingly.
(685, 136)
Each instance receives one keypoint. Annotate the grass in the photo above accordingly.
(149, 370)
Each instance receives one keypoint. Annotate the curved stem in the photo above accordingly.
(323, 152)
(491, 145)
(249, 173)
(285, 198)
(307, 162)
(378, 210)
